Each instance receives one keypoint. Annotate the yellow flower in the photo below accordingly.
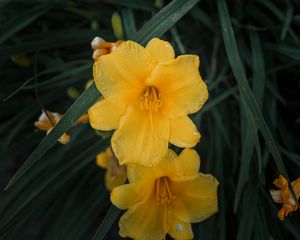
(147, 97)
(284, 196)
(46, 122)
(166, 198)
(101, 47)
(115, 175)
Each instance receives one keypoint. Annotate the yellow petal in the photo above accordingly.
(180, 85)
(160, 50)
(104, 115)
(120, 76)
(165, 167)
(142, 137)
(144, 221)
(113, 180)
(103, 158)
(183, 132)
(180, 230)
(196, 199)
(177, 168)
(127, 195)
(187, 164)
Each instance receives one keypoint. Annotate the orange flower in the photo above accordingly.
(284, 196)
(48, 120)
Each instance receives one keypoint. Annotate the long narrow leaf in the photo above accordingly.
(109, 219)
(240, 75)
(163, 20)
(87, 99)
(21, 21)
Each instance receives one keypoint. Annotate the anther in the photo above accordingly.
(150, 99)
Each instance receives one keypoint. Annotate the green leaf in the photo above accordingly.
(287, 20)
(244, 88)
(163, 20)
(205, 19)
(245, 91)
(288, 51)
(177, 40)
(138, 4)
(109, 219)
(53, 40)
(218, 99)
(128, 22)
(21, 21)
(86, 100)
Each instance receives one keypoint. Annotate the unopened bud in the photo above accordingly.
(97, 41)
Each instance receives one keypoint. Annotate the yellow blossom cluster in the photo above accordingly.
(147, 97)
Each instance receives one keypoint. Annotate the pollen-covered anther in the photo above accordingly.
(150, 99)
(164, 194)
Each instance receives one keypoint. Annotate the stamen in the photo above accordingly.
(150, 99)
(164, 197)
(163, 191)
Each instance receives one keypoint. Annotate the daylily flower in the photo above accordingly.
(101, 47)
(47, 121)
(284, 196)
(147, 97)
(166, 198)
(115, 175)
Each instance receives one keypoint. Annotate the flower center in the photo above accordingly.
(163, 190)
(150, 99)
(164, 197)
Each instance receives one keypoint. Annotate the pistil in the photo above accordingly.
(164, 197)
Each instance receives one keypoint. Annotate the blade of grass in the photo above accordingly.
(287, 20)
(19, 22)
(258, 63)
(109, 219)
(138, 4)
(177, 39)
(128, 22)
(245, 91)
(52, 40)
(205, 19)
(163, 20)
(87, 99)
(288, 51)
(218, 99)
(59, 68)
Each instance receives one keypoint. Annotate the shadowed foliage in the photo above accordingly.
(250, 58)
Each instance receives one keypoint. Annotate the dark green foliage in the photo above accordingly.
(250, 60)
